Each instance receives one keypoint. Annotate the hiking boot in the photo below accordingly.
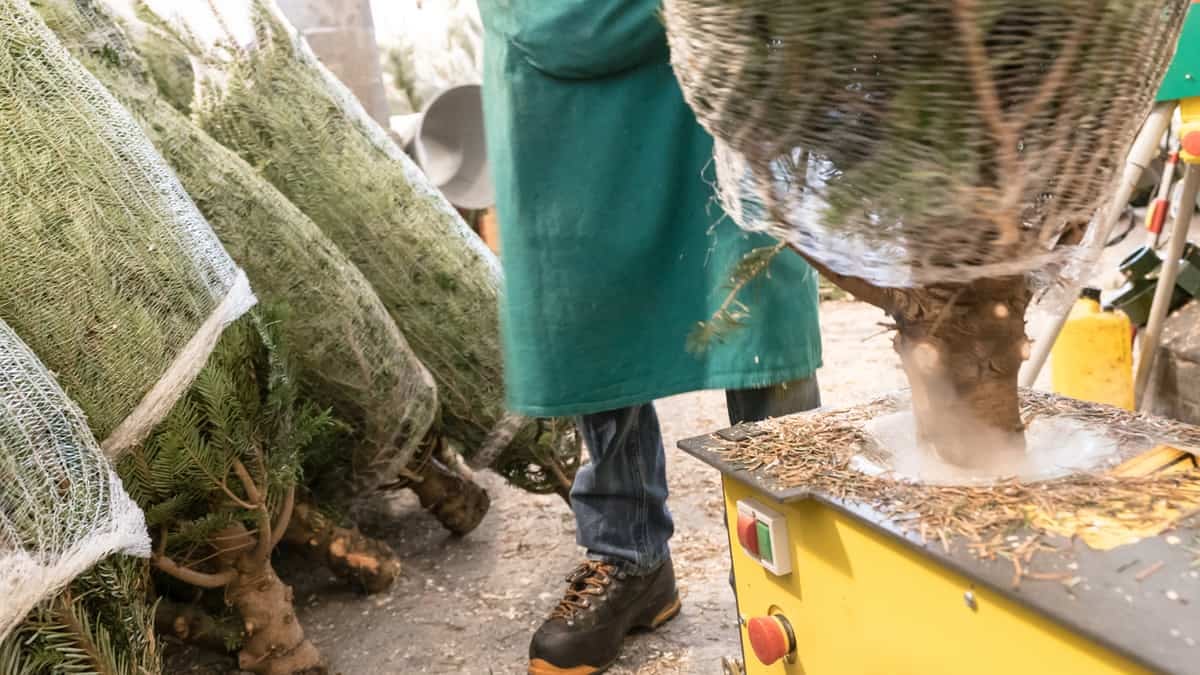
(601, 606)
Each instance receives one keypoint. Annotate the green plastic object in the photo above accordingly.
(1135, 299)
(764, 543)
(1189, 278)
(1140, 264)
(1183, 76)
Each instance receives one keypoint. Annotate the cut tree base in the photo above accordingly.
(457, 503)
(367, 563)
(962, 346)
(189, 623)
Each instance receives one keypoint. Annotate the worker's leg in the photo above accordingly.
(620, 496)
(620, 504)
(753, 405)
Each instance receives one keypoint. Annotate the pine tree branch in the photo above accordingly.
(285, 516)
(1004, 133)
(560, 478)
(82, 639)
(984, 85)
(1053, 81)
(731, 313)
(219, 482)
(859, 288)
(190, 576)
(248, 484)
(755, 267)
(266, 535)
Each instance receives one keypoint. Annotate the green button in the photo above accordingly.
(764, 543)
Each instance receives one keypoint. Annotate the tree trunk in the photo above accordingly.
(962, 346)
(368, 563)
(457, 503)
(274, 639)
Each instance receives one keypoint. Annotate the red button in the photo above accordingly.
(747, 532)
(1191, 143)
(769, 638)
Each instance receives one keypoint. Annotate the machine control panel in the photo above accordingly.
(762, 533)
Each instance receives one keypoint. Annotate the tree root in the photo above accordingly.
(457, 503)
(369, 564)
(189, 623)
(962, 346)
(274, 642)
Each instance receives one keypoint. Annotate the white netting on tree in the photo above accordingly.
(911, 143)
(262, 93)
(350, 352)
(62, 507)
(107, 269)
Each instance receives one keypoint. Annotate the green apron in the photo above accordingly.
(612, 244)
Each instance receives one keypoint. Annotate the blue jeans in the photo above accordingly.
(620, 496)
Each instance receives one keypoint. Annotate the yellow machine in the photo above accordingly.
(829, 587)
(1093, 357)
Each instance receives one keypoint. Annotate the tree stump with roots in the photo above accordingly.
(961, 346)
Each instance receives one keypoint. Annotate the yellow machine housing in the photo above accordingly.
(861, 603)
(862, 596)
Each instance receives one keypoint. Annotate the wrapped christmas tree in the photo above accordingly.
(62, 507)
(942, 160)
(274, 104)
(218, 482)
(108, 272)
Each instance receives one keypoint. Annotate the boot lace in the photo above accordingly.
(589, 580)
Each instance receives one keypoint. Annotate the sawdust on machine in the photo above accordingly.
(1108, 499)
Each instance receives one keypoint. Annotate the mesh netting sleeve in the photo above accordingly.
(919, 143)
(107, 269)
(274, 104)
(62, 507)
(351, 354)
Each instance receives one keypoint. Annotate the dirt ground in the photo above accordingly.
(470, 605)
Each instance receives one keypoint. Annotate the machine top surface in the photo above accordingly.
(1140, 600)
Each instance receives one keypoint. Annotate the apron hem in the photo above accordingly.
(711, 382)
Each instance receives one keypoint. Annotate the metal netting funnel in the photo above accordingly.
(914, 143)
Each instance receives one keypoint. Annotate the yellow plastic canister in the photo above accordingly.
(1093, 357)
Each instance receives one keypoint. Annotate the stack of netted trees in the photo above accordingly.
(118, 285)
(125, 236)
(941, 160)
(275, 105)
(350, 354)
